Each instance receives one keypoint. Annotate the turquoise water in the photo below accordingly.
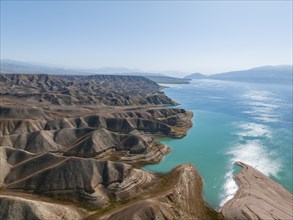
(232, 122)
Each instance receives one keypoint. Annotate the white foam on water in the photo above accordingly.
(263, 117)
(257, 156)
(230, 187)
(251, 152)
(263, 106)
(254, 130)
(260, 95)
(267, 119)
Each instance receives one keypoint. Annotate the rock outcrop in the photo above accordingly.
(115, 135)
(258, 197)
(155, 121)
(20, 208)
(178, 197)
(88, 182)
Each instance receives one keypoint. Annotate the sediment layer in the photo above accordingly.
(178, 197)
(258, 197)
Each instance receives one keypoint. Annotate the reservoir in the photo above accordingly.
(233, 121)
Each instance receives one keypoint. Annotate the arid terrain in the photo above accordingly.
(72, 147)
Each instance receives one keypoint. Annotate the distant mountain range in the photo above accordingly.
(264, 74)
(12, 66)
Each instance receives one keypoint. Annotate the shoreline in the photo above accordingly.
(100, 148)
(258, 196)
(85, 138)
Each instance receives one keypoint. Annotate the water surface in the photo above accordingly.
(233, 121)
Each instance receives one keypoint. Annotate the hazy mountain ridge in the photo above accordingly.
(17, 67)
(263, 74)
(196, 76)
(12, 66)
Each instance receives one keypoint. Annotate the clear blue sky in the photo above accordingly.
(199, 36)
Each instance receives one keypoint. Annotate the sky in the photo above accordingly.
(185, 36)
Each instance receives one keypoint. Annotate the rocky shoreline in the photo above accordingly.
(258, 197)
(71, 147)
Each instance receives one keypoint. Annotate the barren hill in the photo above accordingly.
(74, 145)
(77, 90)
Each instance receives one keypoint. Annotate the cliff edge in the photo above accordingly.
(258, 197)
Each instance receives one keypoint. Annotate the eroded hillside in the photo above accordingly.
(72, 147)
(82, 90)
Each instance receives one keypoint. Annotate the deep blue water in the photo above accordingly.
(233, 121)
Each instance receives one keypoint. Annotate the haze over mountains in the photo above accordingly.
(264, 74)
(12, 66)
